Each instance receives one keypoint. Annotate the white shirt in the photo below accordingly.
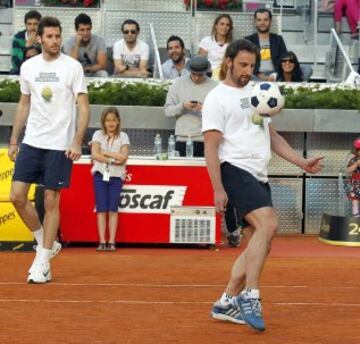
(132, 57)
(53, 87)
(110, 146)
(244, 144)
(215, 52)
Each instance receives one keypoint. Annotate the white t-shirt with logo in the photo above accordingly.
(53, 87)
(132, 57)
(110, 146)
(215, 52)
(244, 144)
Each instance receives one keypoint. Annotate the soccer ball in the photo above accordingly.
(266, 99)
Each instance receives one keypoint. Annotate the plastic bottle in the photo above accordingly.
(171, 146)
(157, 146)
(189, 147)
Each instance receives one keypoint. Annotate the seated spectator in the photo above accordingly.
(213, 47)
(88, 48)
(174, 67)
(24, 39)
(351, 8)
(184, 101)
(289, 69)
(131, 55)
(271, 45)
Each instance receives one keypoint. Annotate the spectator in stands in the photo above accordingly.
(24, 39)
(213, 47)
(351, 8)
(184, 102)
(288, 69)
(131, 55)
(271, 45)
(88, 48)
(174, 67)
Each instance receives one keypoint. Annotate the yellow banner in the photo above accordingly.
(12, 228)
(6, 173)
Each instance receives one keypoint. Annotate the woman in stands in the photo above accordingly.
(289, 69)
(351, 8)
(213, 47)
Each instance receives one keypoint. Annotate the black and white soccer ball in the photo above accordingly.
(266, 99)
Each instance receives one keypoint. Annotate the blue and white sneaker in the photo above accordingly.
(226, 312)
(251, 311)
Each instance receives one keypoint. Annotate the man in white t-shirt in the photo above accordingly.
(237, 153)
(130, 54)
(51, 84)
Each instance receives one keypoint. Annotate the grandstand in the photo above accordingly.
(305, 29)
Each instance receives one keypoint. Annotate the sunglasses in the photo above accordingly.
(126, 32)
(288, 60)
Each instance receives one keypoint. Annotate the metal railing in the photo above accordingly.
(157, 70)
(338, 65)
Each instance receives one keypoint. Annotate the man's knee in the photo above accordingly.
(18, 199)
(51, 201)
(101, 74)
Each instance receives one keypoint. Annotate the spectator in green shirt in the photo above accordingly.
(24, 39)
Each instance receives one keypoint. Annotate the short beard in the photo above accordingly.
(237, 81)
(178, 60)
(263, 30)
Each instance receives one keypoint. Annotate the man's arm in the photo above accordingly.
(212, 140)
(100, 63)
(140, 71)
(284, 150)
(21, 115)
(73, 50)
(74, 152)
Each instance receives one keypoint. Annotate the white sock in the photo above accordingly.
(39, 236)
(226, 299)
(44, 255)
(251, 293)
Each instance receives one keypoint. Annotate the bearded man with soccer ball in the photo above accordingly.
(237, 152)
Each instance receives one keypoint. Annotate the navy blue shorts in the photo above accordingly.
(107, 194)
(244, 191)
(47, 167)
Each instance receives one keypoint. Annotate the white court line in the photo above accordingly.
(140, 302)
(149, 285)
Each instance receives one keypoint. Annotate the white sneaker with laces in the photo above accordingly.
(54, 251)
(40, 273)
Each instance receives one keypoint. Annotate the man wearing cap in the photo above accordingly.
(184, 101)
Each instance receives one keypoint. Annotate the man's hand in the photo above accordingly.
(221, 200)
(74, 152)
(12, 151)
(312, 165)
(32, 39)
(78, 39)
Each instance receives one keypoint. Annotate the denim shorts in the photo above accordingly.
(47, 167)
(107, 194)
(244, 191)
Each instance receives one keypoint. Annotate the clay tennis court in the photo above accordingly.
(310, 292)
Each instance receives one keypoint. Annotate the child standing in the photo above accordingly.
(353, 168)
(109, 151)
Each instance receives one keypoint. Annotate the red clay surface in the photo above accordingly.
(310, 292)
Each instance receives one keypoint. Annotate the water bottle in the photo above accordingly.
(157, 146)
(189, 147)
(37, 3)
(171, 146)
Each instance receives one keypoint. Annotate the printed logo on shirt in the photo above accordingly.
(244, 103)
(265, 53)
(133, 61)
(47, 77)
(154, 199)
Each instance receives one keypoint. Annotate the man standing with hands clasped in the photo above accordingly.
(237, 153)
(51, 83)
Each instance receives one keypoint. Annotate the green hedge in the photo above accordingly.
(154, 94)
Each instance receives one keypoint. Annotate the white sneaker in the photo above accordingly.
(54, 251)
(40, 273)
